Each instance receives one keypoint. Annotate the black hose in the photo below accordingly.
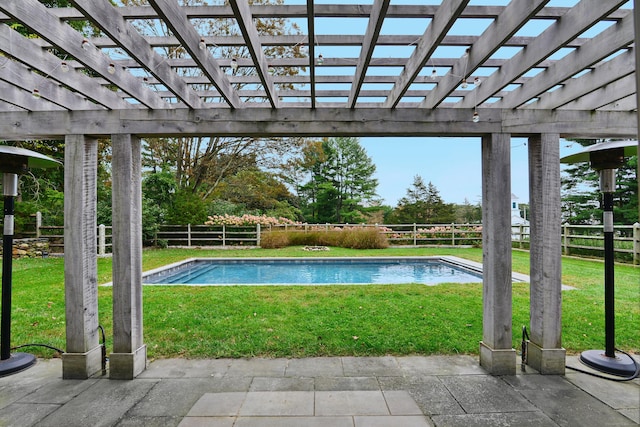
(525, 338)
(38, 345)
(104, 351)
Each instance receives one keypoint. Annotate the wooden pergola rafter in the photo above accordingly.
(595, 36)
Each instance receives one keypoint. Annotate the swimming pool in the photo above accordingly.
(315, 271)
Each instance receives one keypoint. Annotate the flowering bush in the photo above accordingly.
(246, 219)
(469, 234)
(445, 231)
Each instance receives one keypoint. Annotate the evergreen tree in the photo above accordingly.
(467, 213)
(423, 205)
(340, 182)
(582, 199)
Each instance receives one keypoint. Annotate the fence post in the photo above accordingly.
(415, 235)
(453, 234)
(189, 235)
(224, 235)
(38, 223)
(101, 240)
(565, 236)
(636, 243)
(258, 234)
(520, 239)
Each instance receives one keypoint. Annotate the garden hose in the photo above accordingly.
(525, 337)
(104, 349)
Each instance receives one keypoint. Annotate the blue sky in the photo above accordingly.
(453, 165)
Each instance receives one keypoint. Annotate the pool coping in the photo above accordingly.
(473, 266)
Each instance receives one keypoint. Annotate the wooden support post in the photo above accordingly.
(636, 243)
(129, 357)
(636, 21)
(84, 353)
(544, 350)
(496, 353)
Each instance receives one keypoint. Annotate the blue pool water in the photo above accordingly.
(314, 271)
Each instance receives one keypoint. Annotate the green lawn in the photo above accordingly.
(309, 321)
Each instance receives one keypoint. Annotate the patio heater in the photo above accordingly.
(606, 158)
(13, 161)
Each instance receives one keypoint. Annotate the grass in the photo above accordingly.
(299, 321)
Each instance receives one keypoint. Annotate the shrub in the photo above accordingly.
(364, 239)
(300, 238)
(274, 240)
(354, 238)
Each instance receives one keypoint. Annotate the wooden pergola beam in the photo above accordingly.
(360, 122)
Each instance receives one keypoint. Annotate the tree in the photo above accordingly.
(201, 164)
(423, 205)
(306, 167)
(340, 184)
(259, 192)
(467, 213)
(582, 199)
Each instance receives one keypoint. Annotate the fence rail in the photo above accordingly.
(55, 235)
(408, 234)
(208, 235)
(586, 240)
(573, 237)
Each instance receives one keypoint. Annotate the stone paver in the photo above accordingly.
(404, 421)
(102, 404)
(207, 422)
(317, 392)
(275, 403)
(149, 421)
(21, 414)
(350, 403)
(282, 384)
(218, 405)
(347, 383)
(618, 395)
(371, 366)
(483, 393)
(315, 367)
(401, 403)
(515, 419)
(441, 365)
(257, 367)
(583, 409)
(186, 368)
(295, 422)
(176, 396)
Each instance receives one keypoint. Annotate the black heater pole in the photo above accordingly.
(13, 161)
(7, 255)
(606, 157)
(609, 281)
(608, 361)
(9, 363)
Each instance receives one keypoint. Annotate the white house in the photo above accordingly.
(516, 218)
(517, 221)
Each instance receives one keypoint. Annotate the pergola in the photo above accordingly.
(525, 69)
